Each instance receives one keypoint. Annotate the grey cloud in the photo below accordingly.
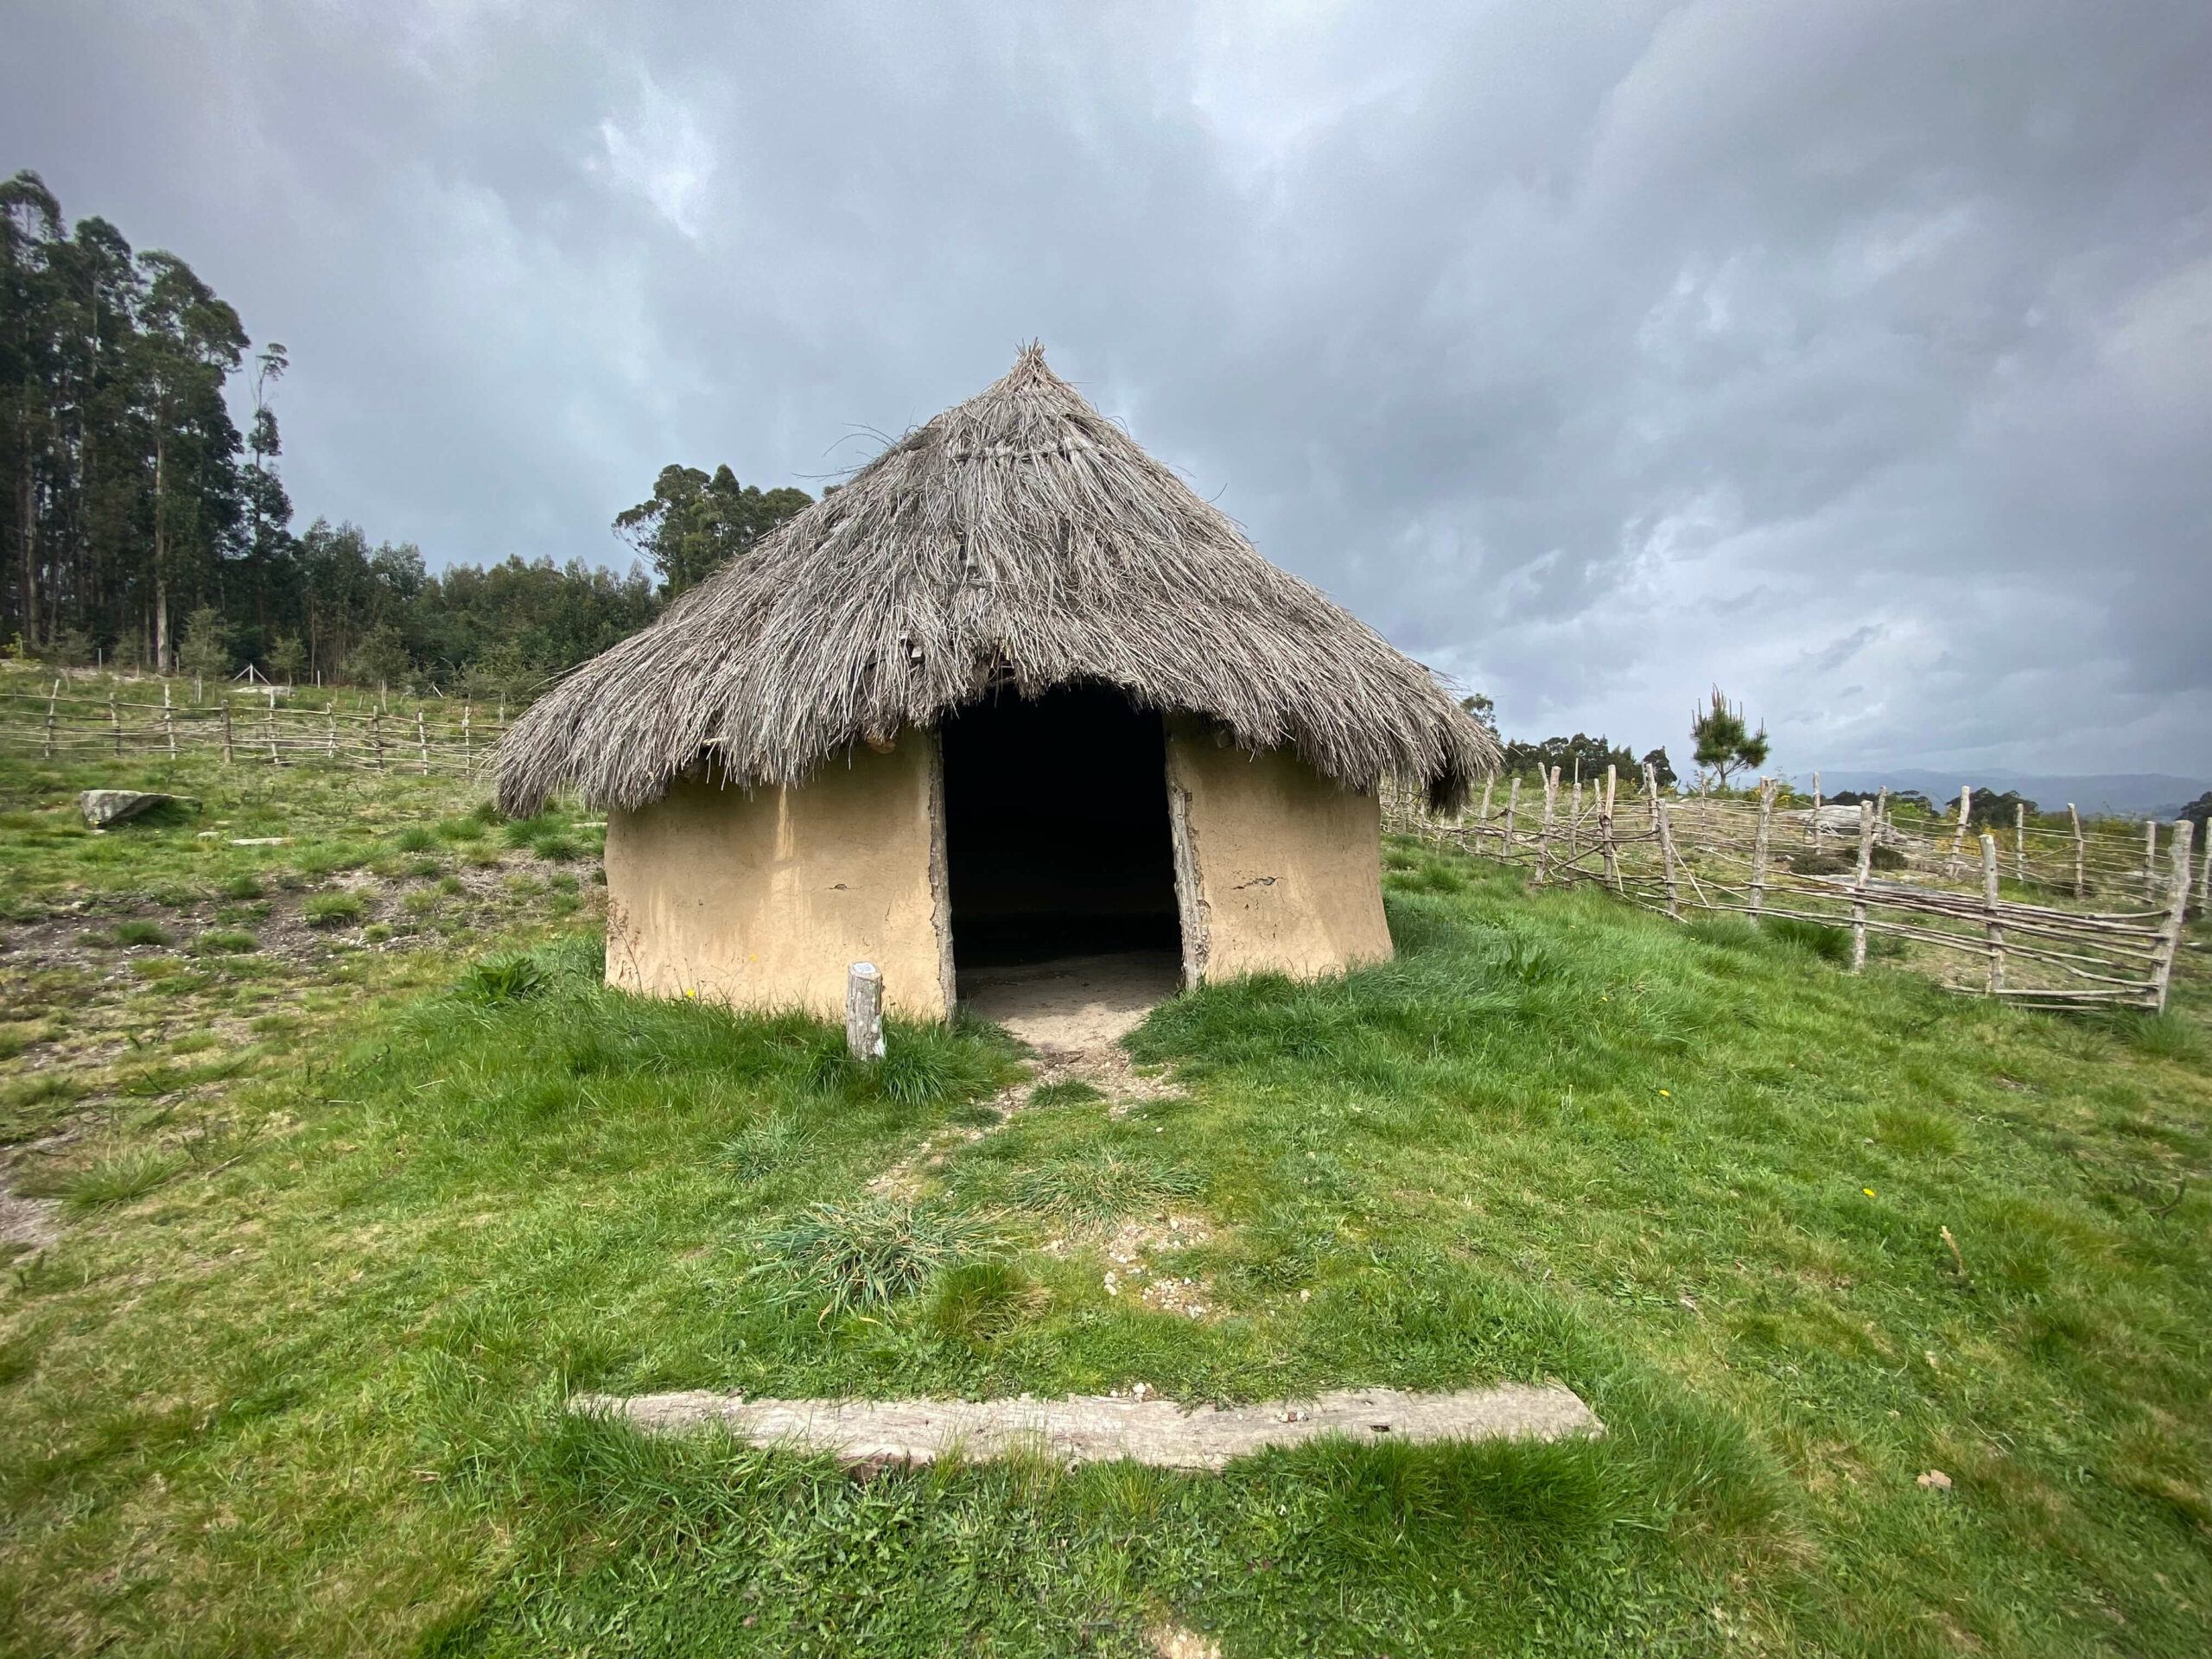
(1594, 358)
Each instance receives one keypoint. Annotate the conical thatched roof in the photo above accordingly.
(1019, 540)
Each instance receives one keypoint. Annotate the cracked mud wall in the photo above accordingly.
(1278, 868)
(764, 898)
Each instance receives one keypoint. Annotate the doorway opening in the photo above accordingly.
(1056, 830)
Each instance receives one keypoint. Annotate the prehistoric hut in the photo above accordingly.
(1013, 692)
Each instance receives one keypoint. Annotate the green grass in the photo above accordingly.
(141, 933)
(332, 909)
(1798, 1237)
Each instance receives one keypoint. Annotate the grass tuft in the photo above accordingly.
(341, 909)
(1100, 1185)
(224, 942)
(141, 932)
(120, 1179)
(869, 1253)
(977, 1304)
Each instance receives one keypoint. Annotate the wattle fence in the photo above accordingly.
(2091, 915)
(271, 726)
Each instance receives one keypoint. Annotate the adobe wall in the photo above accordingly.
(763, 900)
(1277, 868)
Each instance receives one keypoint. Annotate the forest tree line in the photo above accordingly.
(145, 529)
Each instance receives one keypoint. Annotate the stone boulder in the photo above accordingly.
(103, 807)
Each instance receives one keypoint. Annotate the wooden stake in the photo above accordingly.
(1820, 832)
(228, 756)
(2020, 841)
(467, 748)
(1544, 836)
(2151, 858)
(168, 719)
(1989, 910)
(272, 726)
(1574, 818)
(864, 1012)
(1959, 841)
(330, 728)
(115, 722)
(422, 743)
(1760, 841)
(1858, 891)
(1659, 815)
(376, 733)
(2176, 913)
(50, 698)
(2205, 884)
(1512, 806)
(1605, 830)
(2080, 855)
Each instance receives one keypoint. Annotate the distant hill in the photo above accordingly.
(2123, 794)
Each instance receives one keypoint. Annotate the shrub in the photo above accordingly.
(341, 909)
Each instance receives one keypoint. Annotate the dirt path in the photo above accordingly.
(1074, 1014)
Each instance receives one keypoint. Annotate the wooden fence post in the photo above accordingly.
(422, 743)
(1605, 830)
(1666, 841)
(1759, 842)
(2080, 855)
(2177, 913)
(1959, 841)
(1820, 832)
(2150, 859)
(114, 722)
(467, 746)
(1512, 807)
(1989, 911)
(1859, 889)
(228, 755)
(2204, 883)
(169, 718)
(1544, 835)
(1574, 819)
(375, 734)
(330, 728)
(51, 697)
(2020, 841)
(272, 727)
(864, 1012)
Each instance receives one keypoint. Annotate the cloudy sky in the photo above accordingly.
(1855, 355)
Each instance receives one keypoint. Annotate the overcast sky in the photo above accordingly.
(1856, 356)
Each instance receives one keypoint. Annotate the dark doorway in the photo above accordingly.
(1056, 828)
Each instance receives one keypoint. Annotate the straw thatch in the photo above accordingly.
(1020, 540)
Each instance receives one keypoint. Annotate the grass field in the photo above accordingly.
(344, 1220)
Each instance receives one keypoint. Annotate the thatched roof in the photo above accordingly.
(1020, 540)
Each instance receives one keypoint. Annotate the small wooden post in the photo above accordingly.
(864, 1012)
(1544, 835)
(2177, 913)
(1574, 819)
(1819, 833)
(1605, 830)
(51, 697)
(2080, 855)
(115, 722)
(2020, 843)
(1512, 807)
(228, 755)
(1989, 911)
(1959, 841)
(2204, 882)
(272, 726)
(168, 719)
(375, 734)
(422, 743)
(1858, 888)
(2150, 859)
(330, 728)
(467, 746)
(1760, 838)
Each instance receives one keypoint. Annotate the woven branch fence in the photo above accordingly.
(2016, 914)
(264, 728)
